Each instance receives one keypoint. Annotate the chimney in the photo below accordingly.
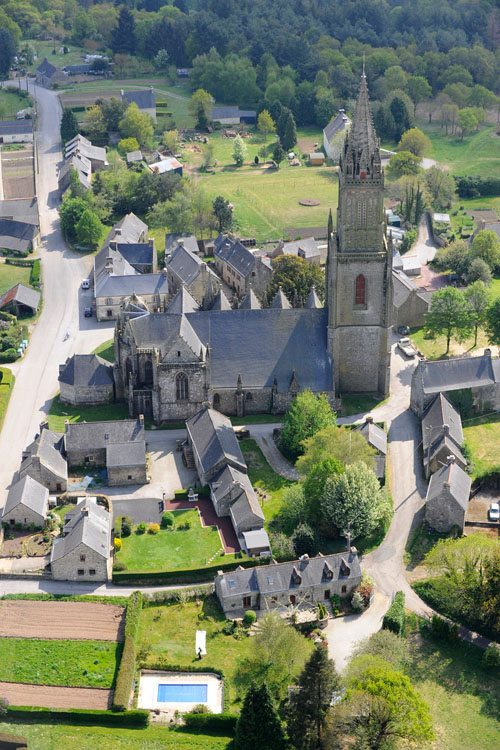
(118, 231)
(141, 420)
(446, 429)
(122, 92)
(369, 420)
(487, 353)
(450, 460)
(43, 426)
(85, 512)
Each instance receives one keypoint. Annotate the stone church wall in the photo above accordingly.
(86, 395)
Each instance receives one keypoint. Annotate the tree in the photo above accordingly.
(304, 541)
(289, 138)
(296, 277)
(479, 271)
(136, 125)
(70, 211)
(278, 154)
(401, 115)
(467, 121)
(265, 124)
(94, 123)
(223, 213)
(441, 187)
(239, 151)
(259, 726)
(69, 125)
(123, 39)
(128, 144)
(161, 60)
(486, 245)
(7, 52)
(306, 415)
(385, 645)
(478, 297)
(404, 163)
(493, 321)
(418, 89)
(339, 443)
(314, 485)
(308, 706)
(449, 314)
(415, 141)
(88, 229)
(354, 497)
(171, 141)
(112, 110)
(175, 213)
(293, 509)
(455, 257)
(200, 106)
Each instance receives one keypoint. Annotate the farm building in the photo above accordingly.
(144, 98)
(16, 131)
(18, 236)
(316, 159)
(167, 164)
(233, 115)
(20, 301)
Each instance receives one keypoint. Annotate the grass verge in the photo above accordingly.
(106, 350)
(7, 381)
(263, 478)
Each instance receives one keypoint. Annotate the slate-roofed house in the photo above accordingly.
(19, 237)
(233, 115)
(410, 303)
(214, 444)
(81, 146)
(376, 438)
(134, 157)
(184, 268)
(478, 375)
(306, 248)
(334, 134)
(173, 239)
(16, 131)
(305, 581)
(89, 443)
(442, 435)
(447, 497)
(240, 268)
(44, 460)
(150, 290)
(47, 74)
(83, 168)
(145, 100)
(20, 209)
(20, 301)
(27, 503)
(86, 380)
(141, 255)
(83, 553)
(129, 230)
(233, 495)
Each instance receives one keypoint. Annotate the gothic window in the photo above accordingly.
(361, 209)
(148, 372)
(216, 401)
(181, 387)
(128, 369)
(249, 396)
(360, 290)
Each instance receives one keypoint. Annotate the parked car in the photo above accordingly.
(494, 512)
(86, 284)
(407, 347)
(88, 312)
(403, 330)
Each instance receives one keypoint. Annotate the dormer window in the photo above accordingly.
(178, 354)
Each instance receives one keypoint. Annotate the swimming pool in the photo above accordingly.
(176, 693)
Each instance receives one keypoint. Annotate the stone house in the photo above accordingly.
(47, 75)
(20, 237)
(185, 268)
(20, 209)
(306, 248)
(334, 135)
(410, 302)
(233, 495)
(83, 169)
(20, 301)
(376, 438)
(145, 100)
(84, 551)
(146, 292)
(86, 380)
(240, 268)
(442, 435)
(300, 582)
(82, 147)
(447, 497)
(16, 131)
(126, 463)
(173, 239)
(44, 460)
(27, 503)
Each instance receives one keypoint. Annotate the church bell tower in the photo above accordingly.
(359, 272)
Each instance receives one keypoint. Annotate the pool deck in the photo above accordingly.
(150, 680)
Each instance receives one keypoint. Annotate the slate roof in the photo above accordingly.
(459, 484)
(78, 69)
(136, 253)
(144, 98)
(46, 68)
(85, 147)
(245, 506)
(87, 370)
(269, 579)
(223, 113)
(119, 266)
(213, 440)
(164, 330)
(142, 283)
(256, 538)
(186, 266)
(374, 436)
(97, 435)
(280, 302)
(308, 247)
(183, 302)
(87, 524)
(128, 230)
(48, 446)
(133, 156)
(250, 302)
(439, 413)
(16, 127)
(17, 235)
(23, 295)
(237, 256)
(339, 123)
(313, 301)
(126, 454)
(221, 302)
(22, 209)
(275, 342)
(173, 239)
(453, 374)
(30, 493)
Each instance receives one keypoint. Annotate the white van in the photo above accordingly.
(86, 284)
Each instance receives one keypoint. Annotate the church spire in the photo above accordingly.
(363, 137)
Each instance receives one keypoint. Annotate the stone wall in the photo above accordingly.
(412, 312)
(443, 512)
(87, 455)
(67, 567)
(108, 308)
(45, 476)
(25, 516)
(86, 395)
(123, 475)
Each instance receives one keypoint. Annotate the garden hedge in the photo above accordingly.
(35, 273)
(223, 724)
(165, 577)
(132, 719)
(25, 262)
(394, 618)
(126, 671)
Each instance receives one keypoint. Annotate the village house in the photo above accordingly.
(16, 131)
(302, 582)
(173, 239)
(145, 100)
(306, 248)
(376, 438)
(447, 497)
(18, 237)
(442, 435)
(20, 209)
(47, 75)
(83, 169)
(240, 268)
(81, 146)
(233, 115)
(44, 460)
(27, 504)
(21, 301)
(186, 269)
(83, 552)
(86, 380)
(147, 292)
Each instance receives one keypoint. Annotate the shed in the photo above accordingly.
(317, 158)
(20, 300)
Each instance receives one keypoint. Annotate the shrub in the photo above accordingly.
(126, 670)
(200, 708)
(118, 565)
(439, 627)
(167, 519)
(35, 273)
(128, 144)
(223, 724)
(126, 526)
(9, 355)
(141, 528)
(322, 611)
(118, 544)
(26, 714)
(249, 617)
(394, 618)
(153, 528)
(491, 657)
(357, 602)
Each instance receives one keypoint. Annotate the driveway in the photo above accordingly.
(344, 633)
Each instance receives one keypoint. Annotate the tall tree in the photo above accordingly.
(278, 154)
(239, 151)
(296, 277)
(7, 52)
(306, 415)
(467, 121)
(314, 485)
(200, 106)
(123, 39)
(486, 245)
(415, 141)
(289, 138)
(136, 124)
(259, 726)
(308, 706)
(112, 110)
(441, 187)
(418, 89)
(223, 213)
(265, 124)
(335, 443)
(69, 125)
(493, 321)
(478, 297)
(449, 314)
(88, 229)
(94, 123)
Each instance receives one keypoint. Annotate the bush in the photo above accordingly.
(153, 528)
(439, 627)
(132, 719)
(9, 355)
(35, 273)
(167, 519)
(118, 565)
(322, 611)
(223, 724)
(126, 526)
(126, 671)
(128, 144)
(394, 618)
(249, 617)
(118, 544)
(357, 602)
(491, 657)
(141, 528)
(200, 708)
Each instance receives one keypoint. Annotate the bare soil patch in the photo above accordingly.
(18, 173)
(78, 621)
(47, 696)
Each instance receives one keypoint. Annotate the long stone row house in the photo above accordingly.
(85, 158)
(214, 448)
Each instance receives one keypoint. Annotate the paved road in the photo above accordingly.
(425, 247)
(62, 272)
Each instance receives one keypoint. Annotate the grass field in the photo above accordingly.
(264, 478)
(11, 275)
(106, 350)
(64, 737)
(11, 103)
(68, 663)
(59, 412)
(171, 550)
(483, 438)
(45, 49)
(477, 154)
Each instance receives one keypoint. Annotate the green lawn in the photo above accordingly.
(482, 435)
(463, 697)
(477, 154)
(265, 479)
(11, 275)
(106, 350)
(70, 663)
(45, 49)
(172, 550)
(59, 412)
(435, 348)
(67, 737)
(12, 103)
(359, 404)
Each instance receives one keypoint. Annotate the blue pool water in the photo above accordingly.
(182, 693)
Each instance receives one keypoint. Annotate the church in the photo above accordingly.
(253, 360)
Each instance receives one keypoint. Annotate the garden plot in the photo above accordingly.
(48, 696)
(18, 176)
(58, 620)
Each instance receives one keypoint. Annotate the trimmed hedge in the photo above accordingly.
(394, 618)
(126, 671)
(121, 601)
(35, 273)
(165, 577)
(20, 262)
(223, 724)
(133, 719)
